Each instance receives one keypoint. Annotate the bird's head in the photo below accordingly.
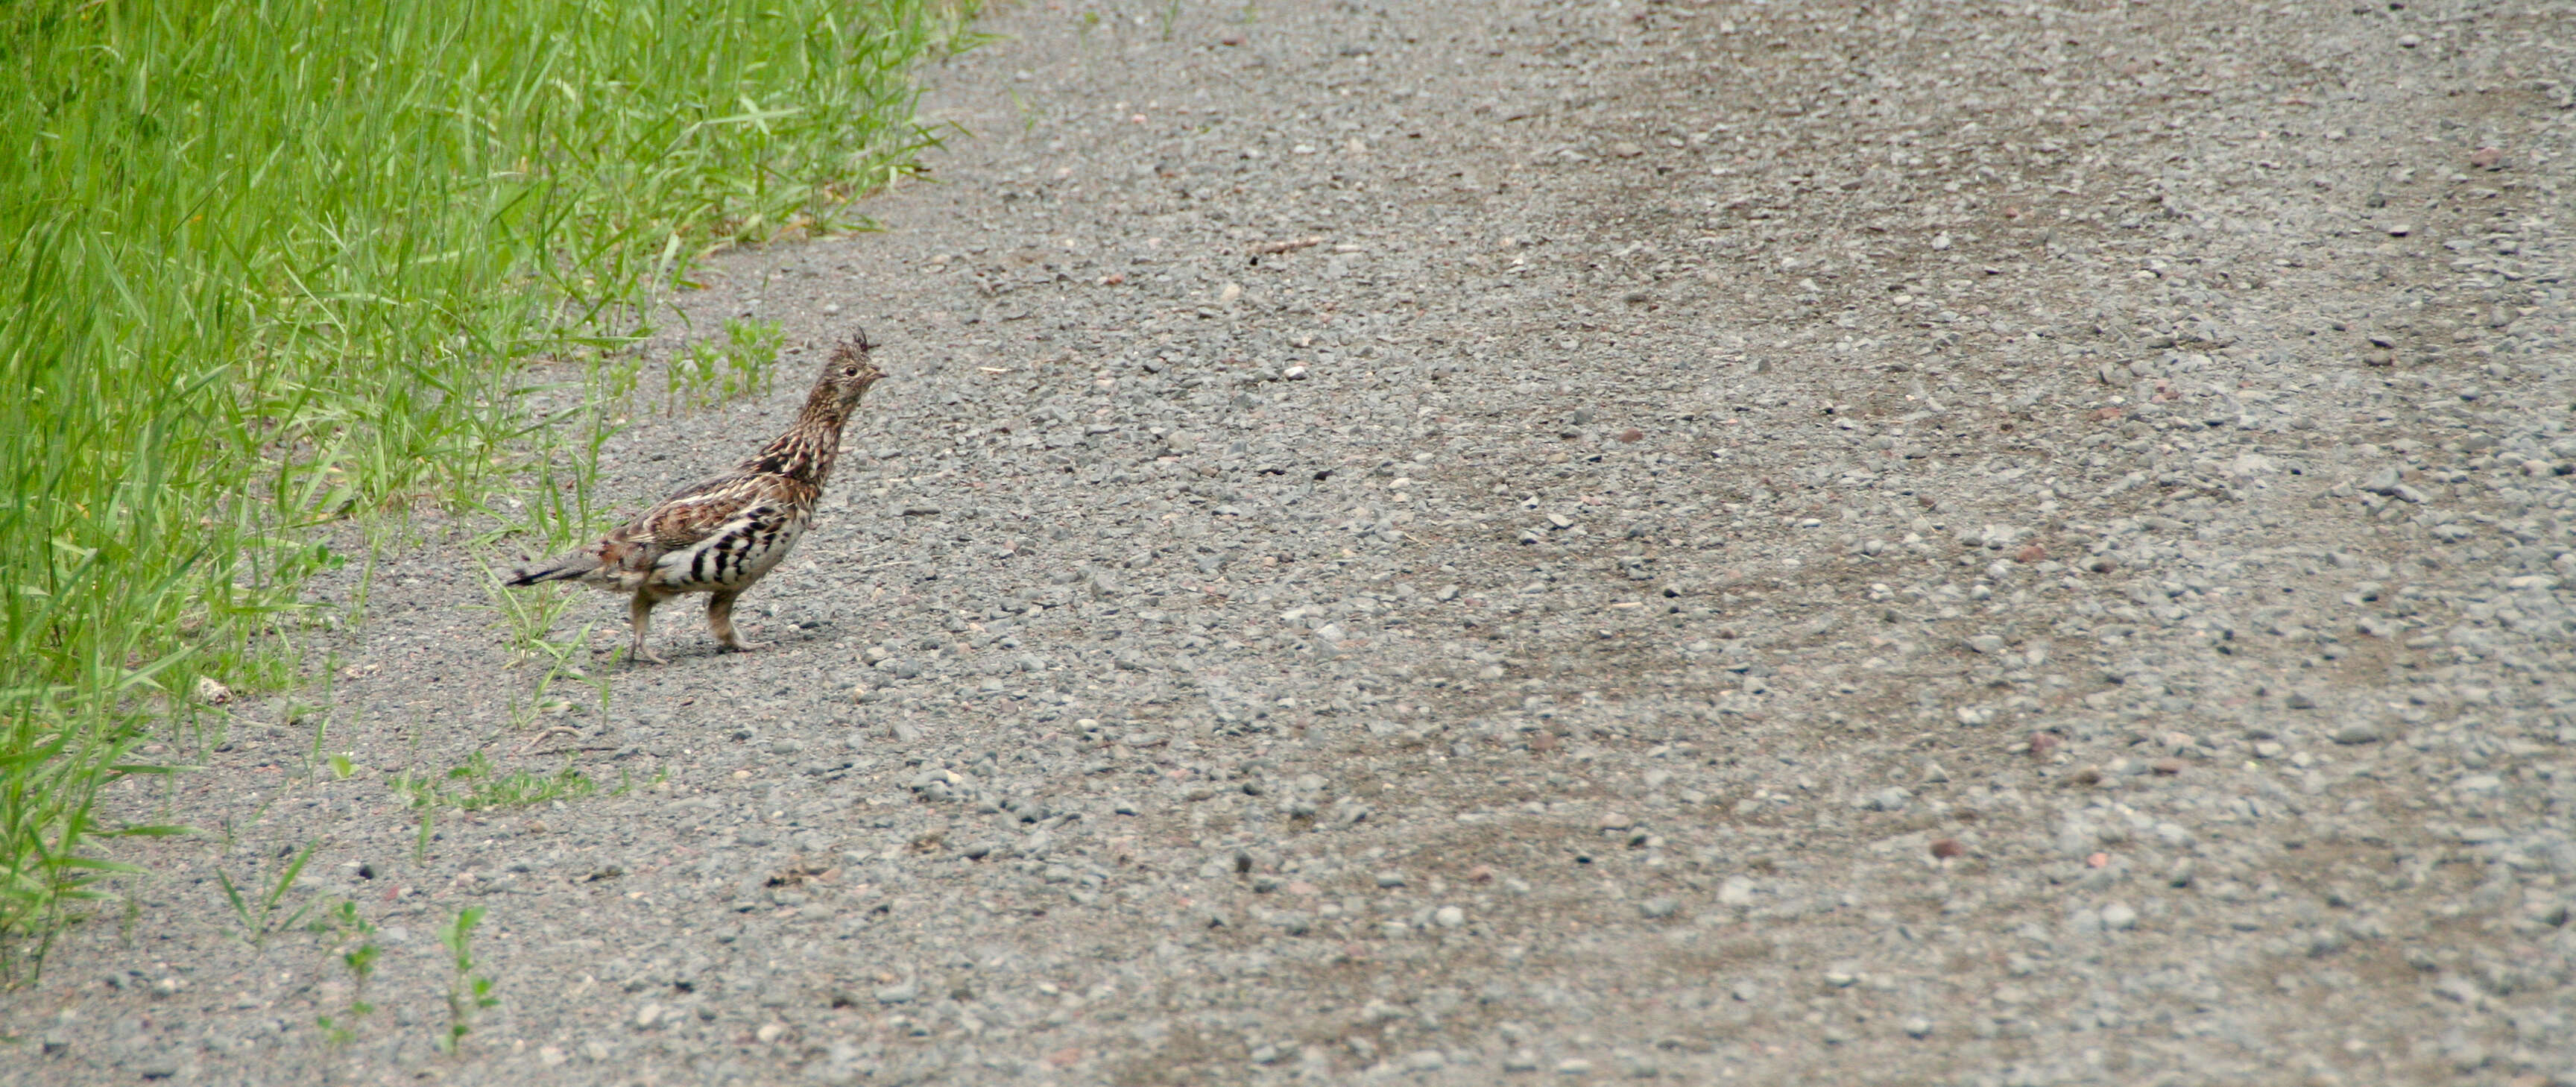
(849, 372)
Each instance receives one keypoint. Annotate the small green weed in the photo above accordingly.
(478, 785)
(468, 992)
(354, 939)
(428, 833)
(626, 782)
(707, 374)
(258, 917)
(528, 617)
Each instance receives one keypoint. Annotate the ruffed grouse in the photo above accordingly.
(721, 535)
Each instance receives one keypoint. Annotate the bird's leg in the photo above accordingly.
(720, 617)
(640, 610)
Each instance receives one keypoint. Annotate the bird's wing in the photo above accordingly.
(714, 484)
(695, 512)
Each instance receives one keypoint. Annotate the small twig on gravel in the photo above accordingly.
(551, 732)
(571, 750)
(1267, 248)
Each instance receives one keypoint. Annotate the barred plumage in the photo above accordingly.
(722, 534)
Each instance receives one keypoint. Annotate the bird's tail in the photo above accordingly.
(574, 568)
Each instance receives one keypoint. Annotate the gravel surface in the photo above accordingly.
(1471, 543)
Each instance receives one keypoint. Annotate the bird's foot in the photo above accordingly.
(639, 653)
(741, 644)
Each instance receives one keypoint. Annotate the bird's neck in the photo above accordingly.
(806, 451)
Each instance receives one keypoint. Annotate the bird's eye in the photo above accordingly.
(851, 371)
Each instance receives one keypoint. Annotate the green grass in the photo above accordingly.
(259, 915)
(478, 785)
(353, 942)
(469, 990)
(273, 265)
(744, 365)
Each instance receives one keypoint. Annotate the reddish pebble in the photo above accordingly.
(1113, 279)
(2097, 860)
(1545, 741)
(2168, 767)
(1947, 848)
(2105, 414)
(2486, 158)
(2032, 553)
(1632, 434)
(1480, 874)
(2041, 744)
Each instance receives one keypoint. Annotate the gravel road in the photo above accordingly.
(1557, 543)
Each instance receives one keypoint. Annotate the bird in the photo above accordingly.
(722, 534)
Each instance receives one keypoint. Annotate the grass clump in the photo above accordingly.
(745, 364)
(276, 264)
(258, 914)
(478, 785)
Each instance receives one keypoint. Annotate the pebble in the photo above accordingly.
(2357, 731)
